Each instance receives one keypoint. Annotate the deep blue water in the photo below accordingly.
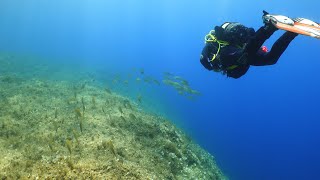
(262, 126)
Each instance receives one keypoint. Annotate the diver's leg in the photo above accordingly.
(259, 38)
(277, 49)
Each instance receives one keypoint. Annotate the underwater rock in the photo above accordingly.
(42, 135)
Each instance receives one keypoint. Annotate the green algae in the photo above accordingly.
(55, 113)
(94, 101)
(69, 145)
(83, 106)
(109, 145)
(78, 113)
(120, 109)
(42, 133)
(76, 135)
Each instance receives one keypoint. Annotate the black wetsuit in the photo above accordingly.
(250, 55)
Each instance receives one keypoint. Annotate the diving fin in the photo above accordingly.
(297, 25)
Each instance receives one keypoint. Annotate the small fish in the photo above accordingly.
(178, 78)
(171, 83)
(167, 74)
(147, 79)
(166, 81)
(195, 92)
(178, 86)
(156, 82)
(185, 82)
(141, 71)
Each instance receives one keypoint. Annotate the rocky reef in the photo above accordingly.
(56, 129)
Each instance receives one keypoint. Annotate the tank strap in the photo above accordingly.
(210, 38)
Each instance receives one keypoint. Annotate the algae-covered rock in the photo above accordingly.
(46, 136)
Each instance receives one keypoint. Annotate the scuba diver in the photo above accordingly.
(232, 48)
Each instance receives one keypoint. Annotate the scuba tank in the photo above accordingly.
(234, 33)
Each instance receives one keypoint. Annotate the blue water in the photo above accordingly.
(262, 126)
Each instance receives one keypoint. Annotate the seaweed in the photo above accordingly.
(78, 113)
(70, 163)
(71, 101)
(80, 117)
(3, 126)
(127, 104)
(68, 144)
(51, 142)
(46, 141)
(56, 113)
(28, 165)
(81, 124)
(172, 148)
(132, 116)
(120, 109)
(107, 102)
(104, 112)
(55, 125)
(94, 101)
(122, 118)
(76, 135)
(83, 106)
(32, 152)
(108, 145)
